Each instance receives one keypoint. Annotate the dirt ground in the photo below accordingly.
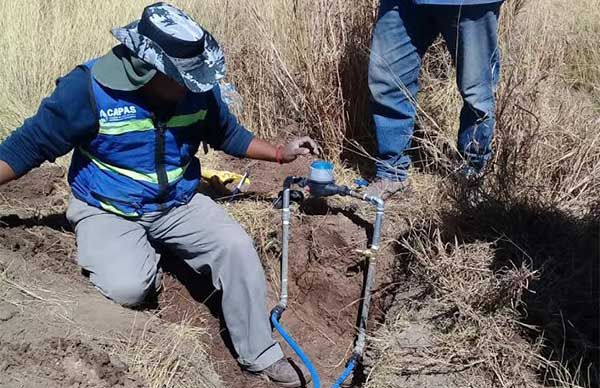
(326, 279)
(54, 327)
(56, 332)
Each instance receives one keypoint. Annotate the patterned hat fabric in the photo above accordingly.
(171, 41)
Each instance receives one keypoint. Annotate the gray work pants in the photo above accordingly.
(122, 264)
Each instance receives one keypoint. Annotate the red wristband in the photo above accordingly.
(278, 156)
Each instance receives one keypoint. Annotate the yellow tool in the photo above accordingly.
(224, 176)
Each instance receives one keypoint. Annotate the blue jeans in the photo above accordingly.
(403, 33)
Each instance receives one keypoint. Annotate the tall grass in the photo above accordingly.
(547, 142)
(303, 62)
(293, 61)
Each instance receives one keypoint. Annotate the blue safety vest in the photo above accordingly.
(137, 163)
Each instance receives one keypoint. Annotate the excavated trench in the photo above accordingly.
(326, 279)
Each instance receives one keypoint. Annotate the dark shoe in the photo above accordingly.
(471, 175)
(386, 188)
(469, 182)
(286, 373)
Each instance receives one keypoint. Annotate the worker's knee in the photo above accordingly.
(479, 98)
(128, 293)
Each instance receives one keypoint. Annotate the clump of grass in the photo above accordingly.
(170, 355)
(480, 303)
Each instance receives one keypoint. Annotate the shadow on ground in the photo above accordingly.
(564, 302)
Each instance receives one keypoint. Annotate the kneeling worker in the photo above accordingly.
(135, 119)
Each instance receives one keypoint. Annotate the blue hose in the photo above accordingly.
(349, 368)
(313, 372)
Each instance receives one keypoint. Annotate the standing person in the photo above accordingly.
(135, 118)
(403, 32)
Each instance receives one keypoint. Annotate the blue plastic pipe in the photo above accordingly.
(347, 372)
(313, 372)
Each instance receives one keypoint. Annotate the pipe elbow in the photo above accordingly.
(355, 357)
(377, 202)
(287, 183)
(294, 180)
(277, 312)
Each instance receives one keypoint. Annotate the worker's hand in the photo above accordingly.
(298, 147)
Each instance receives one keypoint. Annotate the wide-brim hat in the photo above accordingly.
(172, 42)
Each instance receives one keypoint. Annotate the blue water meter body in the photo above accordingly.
(321, 171)
(321, 182)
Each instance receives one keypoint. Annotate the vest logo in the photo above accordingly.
(120, 113)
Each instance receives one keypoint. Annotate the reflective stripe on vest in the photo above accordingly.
(108, 207)
(121, 127)
(172, 176)
(185, 120)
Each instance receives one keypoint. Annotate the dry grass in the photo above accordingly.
(492, 295)
(582, 55)
(548, 145)
(469, 310)
(523, 263)
(519, 265)
(170, 355)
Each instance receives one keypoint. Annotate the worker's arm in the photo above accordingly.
(228, 135)
(225, 133)
(262, 150)
(6, 173)
(66, 118)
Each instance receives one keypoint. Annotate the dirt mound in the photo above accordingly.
(53, 249)
(60, 362)
(41, 189)
(56, 332)
(33, 220)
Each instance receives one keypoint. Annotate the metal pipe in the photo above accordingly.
(371, 255)
(285, 240)
(379, 209)
(278, 310)
(364, 313)
(285, 219)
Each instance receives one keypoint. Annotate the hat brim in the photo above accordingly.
(198, 74)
